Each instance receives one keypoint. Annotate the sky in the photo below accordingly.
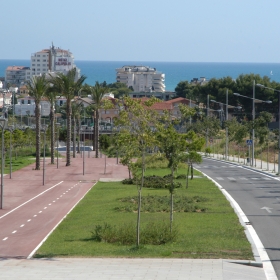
(146, 30)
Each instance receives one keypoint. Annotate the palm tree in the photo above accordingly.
(68, 85)
(51, 95)
(97, 93)
(37, 88)
(76, 112)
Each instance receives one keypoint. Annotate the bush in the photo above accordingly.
(153, 233)
(181, 176)
(128, 181)
(156, 203)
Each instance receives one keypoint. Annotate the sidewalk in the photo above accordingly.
(267, 167)
(112, 268)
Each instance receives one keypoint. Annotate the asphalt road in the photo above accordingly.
(258, 195)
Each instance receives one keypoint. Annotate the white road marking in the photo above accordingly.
(35, 216)
(254, 178)
(243, 178)
(50, 204)
(45, 207)
(29, 220)
(40, 211)
(14, 231)
(4, 239)
(54, 201)
(31, 199)
(61, 196)
(266, 178)
(219, 178)
(22, 225)
(231, 178)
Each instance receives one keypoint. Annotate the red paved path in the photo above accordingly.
(31, 210)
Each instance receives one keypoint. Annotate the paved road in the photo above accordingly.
(258, 195)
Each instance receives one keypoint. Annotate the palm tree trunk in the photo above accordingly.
(52, 134)
(96, 133)
(74, 137)
(79, 135)
(68, 140)
(38, 134)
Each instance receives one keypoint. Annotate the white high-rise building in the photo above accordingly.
(52, 60)
(141, 78)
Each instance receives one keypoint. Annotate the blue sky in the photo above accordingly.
(146, 30)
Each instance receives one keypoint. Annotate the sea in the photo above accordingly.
(175, 72)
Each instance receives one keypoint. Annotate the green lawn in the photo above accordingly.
(215, 233)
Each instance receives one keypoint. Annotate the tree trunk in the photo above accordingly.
(191, 171)
(140, 200)
(79, 136)
(52, 134)
(105, 165)
(74, 137)
(68, 140)
(171, 199)
(38, 134)
(96, 122)
(187, 179)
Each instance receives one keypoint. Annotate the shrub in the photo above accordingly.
(181, 176)
(128, 181)
(156, 203)
(153, 233)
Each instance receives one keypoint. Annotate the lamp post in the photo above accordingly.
(253, 117)
(207, 130)
(227, 106)
(262, 86)
(3, 123)
(57, 139)
(11, 129)
(44, 153)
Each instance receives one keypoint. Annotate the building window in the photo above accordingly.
(22, 101)
(28, 102)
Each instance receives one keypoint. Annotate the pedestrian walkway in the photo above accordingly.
(260, 165)
(127, 269)
(110, 268)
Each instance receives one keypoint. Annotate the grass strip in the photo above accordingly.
(214, 233)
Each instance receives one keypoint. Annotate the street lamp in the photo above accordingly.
(253, 115)
(227, 106)
(3, 123)
(262, 86)
(11, 129)
(44, 128)
(57, 139)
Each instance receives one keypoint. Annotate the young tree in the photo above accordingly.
(194, 146)
(173, 145)
(138, 120)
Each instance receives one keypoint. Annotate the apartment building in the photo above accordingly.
(16, 75)
(141, 78)
(52, 60)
